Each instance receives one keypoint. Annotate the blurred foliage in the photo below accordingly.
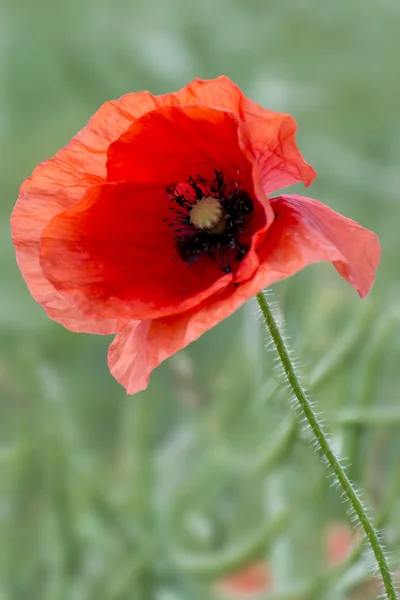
(162, 495)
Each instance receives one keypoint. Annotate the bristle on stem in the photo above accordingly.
(324, 448)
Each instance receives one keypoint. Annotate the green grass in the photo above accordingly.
(157, 496)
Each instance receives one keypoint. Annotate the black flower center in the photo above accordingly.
(210, 219)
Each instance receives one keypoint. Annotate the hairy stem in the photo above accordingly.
(326, 449)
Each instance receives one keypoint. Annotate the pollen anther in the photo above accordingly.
(208, 215)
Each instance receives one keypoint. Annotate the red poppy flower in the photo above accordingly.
(154, 222)
(251, 581)
(340, 541)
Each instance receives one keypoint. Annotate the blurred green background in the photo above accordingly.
(166, 494)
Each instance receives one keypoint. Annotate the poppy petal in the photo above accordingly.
(310, 232)
(304, 232)
(272, 134)
(58, 183)
(172, 143)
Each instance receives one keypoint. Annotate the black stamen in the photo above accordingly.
(225, 248)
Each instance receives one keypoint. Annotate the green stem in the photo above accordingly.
(326, 450)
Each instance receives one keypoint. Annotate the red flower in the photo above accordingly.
(248, 582)
(340, 541)
(154, 222)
